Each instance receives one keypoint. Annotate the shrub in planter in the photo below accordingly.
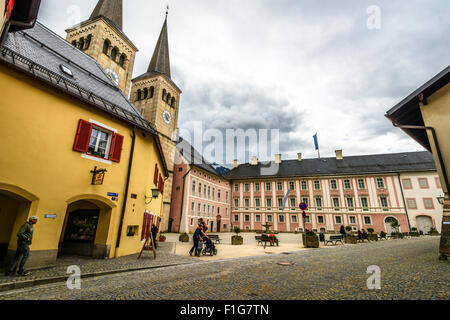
(413, 229)
(184, 237)
(310, 239)
(237, 239)
(434, 232)
(414, 234)
(348, 229)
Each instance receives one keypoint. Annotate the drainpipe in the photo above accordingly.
(182, 199)
(130, 162)
(404, 203)
(438, 150)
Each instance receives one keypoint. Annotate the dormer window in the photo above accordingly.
(66, 70)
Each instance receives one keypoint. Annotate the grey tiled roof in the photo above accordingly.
(353, 165)
(41, 53)
(193, 157)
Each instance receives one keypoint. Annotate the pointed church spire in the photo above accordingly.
(160, 61)
(110, 9)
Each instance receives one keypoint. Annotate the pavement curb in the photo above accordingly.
(35, 282)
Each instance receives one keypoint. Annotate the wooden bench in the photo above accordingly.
(334, 239)
(214, 237)
(265, 239)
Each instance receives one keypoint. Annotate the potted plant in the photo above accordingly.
(371, 236)
(184, 237)
(349, 237)
(237, 239)
(161, 238)
(434, 232)
(414, 232)
(310, 239)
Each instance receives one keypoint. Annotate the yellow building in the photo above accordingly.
(425, 116)
(62, 122)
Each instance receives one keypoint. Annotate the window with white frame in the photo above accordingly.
(267, 186)
(291, 185)
(305, 200)
(199, 189)
(269, 218)
(320, 219)
(319, 203)
(100, 142)
(279, 186)
(304, 185)
(347, 184)
(293, 204)
(367, 220)
(411, 203)
(281, 218)
(380, 183)
(246, 187)
(268, 203)
(333, 184)
(192, 221)
(352, 219)
(294, 218)
(423, 183)
(247, 218)
(361, 184)
(407, 184)
(226, 196)
(193, 187)
(257, 218)
(364, 203)
(236, 187)
(316, 184)
(307, 219)
(257, 203)
(338, 219)
(350, 203)
(247, 203)
(256, 186)
(280, 203)
(193, 208)
(236, 217)
(226, 212)
(384, 202)
(236, 203)
(336, 203)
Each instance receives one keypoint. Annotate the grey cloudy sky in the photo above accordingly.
(299, 66)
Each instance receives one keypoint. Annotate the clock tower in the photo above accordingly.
(102, 38)
(157, 97)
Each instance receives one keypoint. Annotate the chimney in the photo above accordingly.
(278, 158)
(254, 161)
(339, 155)
(299, 155)
(235, 164)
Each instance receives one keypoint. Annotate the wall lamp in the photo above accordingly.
(440, 200)
(155, 194)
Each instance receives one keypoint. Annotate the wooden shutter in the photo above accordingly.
(155, 176)
(116, 150)
(161, 184)
(82, 136)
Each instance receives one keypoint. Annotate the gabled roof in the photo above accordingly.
(40, 53)
(110, 9)
(407, 111)
(353, 165)
(193, 157)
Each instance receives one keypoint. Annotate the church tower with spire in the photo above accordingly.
(157, 97)
(102, 37)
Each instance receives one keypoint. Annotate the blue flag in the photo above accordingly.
(316, 143)
(285, 198)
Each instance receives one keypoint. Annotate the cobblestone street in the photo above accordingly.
(409, 270)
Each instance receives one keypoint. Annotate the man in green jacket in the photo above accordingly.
(24, 239)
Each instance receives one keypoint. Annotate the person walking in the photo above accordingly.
(154, 234)
(196, 238)
(342, 232)
(24, 240)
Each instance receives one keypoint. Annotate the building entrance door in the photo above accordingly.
(424, 224)
(80, 232)
(387, 223)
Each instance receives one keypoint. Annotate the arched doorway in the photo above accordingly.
(219, 221)
(424, 224)
(86, 229)
(388, 226)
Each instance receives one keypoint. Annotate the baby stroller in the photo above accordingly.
(209, 248)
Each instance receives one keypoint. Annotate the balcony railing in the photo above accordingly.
(324, 209)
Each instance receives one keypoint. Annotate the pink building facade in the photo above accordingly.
(198, 191)
(362, 192)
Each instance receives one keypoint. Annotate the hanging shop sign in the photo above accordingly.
(98, 176)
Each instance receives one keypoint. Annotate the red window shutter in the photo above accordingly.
(9, 8)
(116, 150)
(161, 184)
(155, 176)
(83, 136)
